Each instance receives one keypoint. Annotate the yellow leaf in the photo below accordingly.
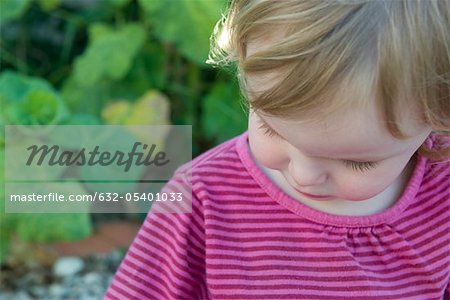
(151, 109)
(116, 112)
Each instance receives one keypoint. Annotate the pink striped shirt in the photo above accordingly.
(247, 239)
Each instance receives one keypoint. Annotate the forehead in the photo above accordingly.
(356, 86)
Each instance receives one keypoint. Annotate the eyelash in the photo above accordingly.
(354, 165)
(360, 166)
(267, 130)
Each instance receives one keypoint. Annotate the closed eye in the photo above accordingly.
(360, 166)
(266, 129)
(354, 165)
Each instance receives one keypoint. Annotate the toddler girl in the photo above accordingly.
(340, 188)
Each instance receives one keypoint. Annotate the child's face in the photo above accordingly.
(351, 156)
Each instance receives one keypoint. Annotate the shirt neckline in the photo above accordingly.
(276, 193)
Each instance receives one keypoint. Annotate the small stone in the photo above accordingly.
(21, 295)
(7, 295)
(92, 278)
(38, 291)
(66, 266)
(56, 290)
(88, 297)
(33, 278)
(75, 278)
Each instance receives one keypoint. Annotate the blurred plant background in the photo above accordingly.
(86, 62)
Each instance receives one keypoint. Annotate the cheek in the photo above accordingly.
(268, 151)
(358, 187)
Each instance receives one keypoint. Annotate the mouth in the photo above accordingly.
(317, 197)
(310, 196)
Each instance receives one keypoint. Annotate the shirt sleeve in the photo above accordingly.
(166, 259)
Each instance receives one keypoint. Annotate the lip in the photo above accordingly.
(311, 196)
(319, 197)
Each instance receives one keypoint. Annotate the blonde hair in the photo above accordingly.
(396, 50)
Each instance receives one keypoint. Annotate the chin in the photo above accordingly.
(358, 198)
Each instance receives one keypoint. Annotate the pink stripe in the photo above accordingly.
(220, 174)
(163, 236)
(319, 295)
(159, 282)
(269, 283)
(129, 287)
(176, 258)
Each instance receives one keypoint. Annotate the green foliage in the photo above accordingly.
(185, 23)
(109, 54)
(49, 5)
(33, 101)
(222, 98)
(7, 222)
(53, 227)
(30, 101)
(108, 62)
(14, 87)
(12, 9)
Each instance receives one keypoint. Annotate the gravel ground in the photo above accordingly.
(69, 278)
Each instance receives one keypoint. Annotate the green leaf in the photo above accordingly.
(30, 101)
(152, 68)
(152, 109)
(148, 70)
(117, 3)
(76, 96)
(97, 31)
(43, 107)
(223, 117)
(49, 5)
(186, 23)
(116, 112)
(14, 86)
(53, 227)
(82, 119)
(100, 10)
(109, 55)
(38, 107)
(12, 9)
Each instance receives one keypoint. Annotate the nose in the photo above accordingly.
(307, 173)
